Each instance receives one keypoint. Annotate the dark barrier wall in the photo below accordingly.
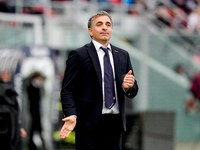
(151, 130)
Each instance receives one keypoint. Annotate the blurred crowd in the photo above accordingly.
(175, 14)
(180, 15)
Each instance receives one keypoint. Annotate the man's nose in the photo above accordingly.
(104, 26)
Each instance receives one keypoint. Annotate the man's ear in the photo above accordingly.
(90, 31)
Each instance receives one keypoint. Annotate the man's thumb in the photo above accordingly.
(65, 119)
(130, 72)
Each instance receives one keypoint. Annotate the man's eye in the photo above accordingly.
(108, 24)
(99, 24)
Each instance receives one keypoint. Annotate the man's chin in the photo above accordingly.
(105, 39)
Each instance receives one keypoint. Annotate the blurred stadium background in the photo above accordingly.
(37, 35)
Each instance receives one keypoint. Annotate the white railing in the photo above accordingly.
(36, 22)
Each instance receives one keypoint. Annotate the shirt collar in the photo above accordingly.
(97, 45)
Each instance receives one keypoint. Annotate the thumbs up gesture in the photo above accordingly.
(129, 80)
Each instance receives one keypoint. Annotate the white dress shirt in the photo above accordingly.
(101, 53)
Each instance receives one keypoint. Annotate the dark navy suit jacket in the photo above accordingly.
(81, 93)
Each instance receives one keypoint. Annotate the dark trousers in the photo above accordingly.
(106, 136)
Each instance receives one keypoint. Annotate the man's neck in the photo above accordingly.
(105, 44)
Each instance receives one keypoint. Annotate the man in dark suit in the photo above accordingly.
(10, 126)
(83, 94)
(34, 92)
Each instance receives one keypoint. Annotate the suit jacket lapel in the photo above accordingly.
(94, 57)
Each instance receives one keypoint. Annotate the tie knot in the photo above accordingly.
(105, 50)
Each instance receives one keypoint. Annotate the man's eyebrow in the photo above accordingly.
(99, 22)
(102, 22)
(108, 22)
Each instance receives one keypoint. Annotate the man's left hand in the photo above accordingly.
(129, 80)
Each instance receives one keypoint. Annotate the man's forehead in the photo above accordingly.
(102, 19)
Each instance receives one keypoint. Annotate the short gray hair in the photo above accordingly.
(100, 13)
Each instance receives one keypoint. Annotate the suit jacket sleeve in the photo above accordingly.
(132, 92)
(69, 84)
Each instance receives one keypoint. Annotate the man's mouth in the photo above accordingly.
(104, 33)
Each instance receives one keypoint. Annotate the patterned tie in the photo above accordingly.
(109, 89)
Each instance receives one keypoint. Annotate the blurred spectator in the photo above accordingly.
(180, 69)
(195, 86)
(4, 7)
(7, 6)
(194, 21)
(34, 96)
(179, 18)
(137, 8)
(115, 2)
(9, 109)
(181, 4)
(196, 58)
(5, 77)
(163, 16)
(192, 5)
(36, 10)
(128, 3)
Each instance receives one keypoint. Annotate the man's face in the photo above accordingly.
(5, 76)
(101, 30)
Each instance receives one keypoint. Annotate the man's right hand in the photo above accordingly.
(70, 123)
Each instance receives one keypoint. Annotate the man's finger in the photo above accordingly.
(62, 135)
(68, 133)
